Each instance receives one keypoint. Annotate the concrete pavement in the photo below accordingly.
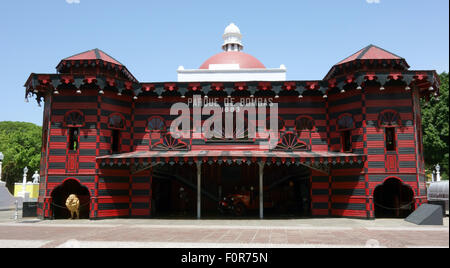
(154, 233)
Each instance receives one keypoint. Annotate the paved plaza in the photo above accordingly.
(155, 233)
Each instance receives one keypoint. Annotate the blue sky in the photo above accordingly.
(152, 38)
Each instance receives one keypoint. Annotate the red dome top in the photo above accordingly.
(244, 60)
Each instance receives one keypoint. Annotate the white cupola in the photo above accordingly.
(232, 38)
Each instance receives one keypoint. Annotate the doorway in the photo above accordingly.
(289, 191)
(173, 191)
(61, 193)
(162, 193)
(393, 199)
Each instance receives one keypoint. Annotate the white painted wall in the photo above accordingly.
(236, 75)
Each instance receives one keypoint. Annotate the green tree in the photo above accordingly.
(435, 129)
(21, 145)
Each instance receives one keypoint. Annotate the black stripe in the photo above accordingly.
(319, 179)
(140, 205)
(82, 179)
(375, 137)
(113, 206)
(57, 152)
(388, 96)
(376, 164)
(407, 164)
(57, 166)
(141, 192)
(90, 165)
(75, 98)
(349, 100)
(405, 137)
(320, 205)
(348, 206)
(354, 178)
(110, 192)
(319, 191)
(58, 139)
(375, 151)
(349, 192)
(111, 179)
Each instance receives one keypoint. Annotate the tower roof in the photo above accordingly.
(368, 58)
(94, 54)
(95, 57)
(371, 52)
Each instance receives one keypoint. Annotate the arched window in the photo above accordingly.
(74, 140)
(390, 120)
(116, 122)
(156, 124)
(74, 120)
(304, 123)
(345, 124)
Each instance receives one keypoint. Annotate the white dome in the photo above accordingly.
(232, 29)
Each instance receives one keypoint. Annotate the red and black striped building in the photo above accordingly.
(350, 145)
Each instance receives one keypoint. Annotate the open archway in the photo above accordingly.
(393, 199)
(62, 192)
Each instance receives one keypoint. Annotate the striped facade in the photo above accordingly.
(120, 181)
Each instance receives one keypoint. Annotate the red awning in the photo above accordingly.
(239, 157)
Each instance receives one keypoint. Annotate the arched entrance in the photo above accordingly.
(393, 199)
(62, 192)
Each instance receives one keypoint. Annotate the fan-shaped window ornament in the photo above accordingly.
(389, 119)
(239, 133)
(116, 121)
(290, 142)
(304, 123)
(169, 143)
(345, 122)
(156, 124)
(74, 119)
